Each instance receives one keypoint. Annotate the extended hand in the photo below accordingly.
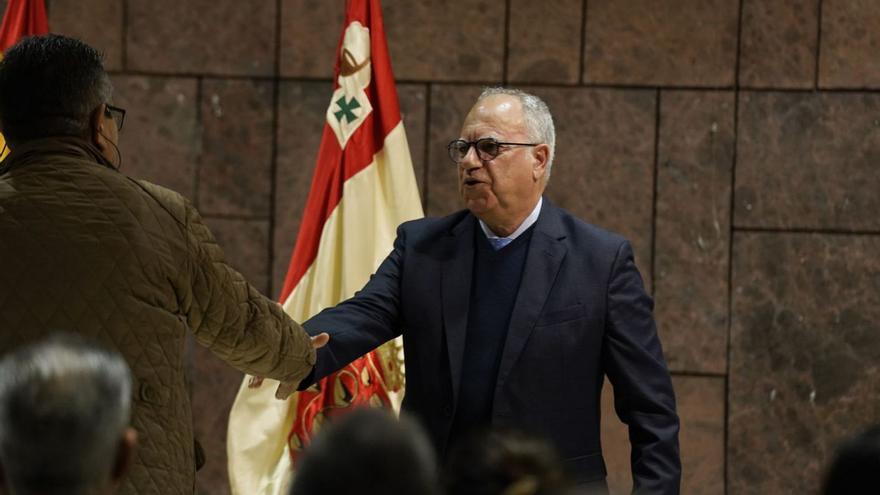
(286, 388)
(320, 340)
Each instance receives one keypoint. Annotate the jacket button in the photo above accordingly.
(147, 393)
(447, 411)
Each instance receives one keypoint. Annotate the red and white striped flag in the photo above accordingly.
(21, 18)
(362, 189)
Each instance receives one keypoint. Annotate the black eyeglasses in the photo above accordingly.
(487, 148)
(115, 113)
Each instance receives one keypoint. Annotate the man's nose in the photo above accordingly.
(471, 159)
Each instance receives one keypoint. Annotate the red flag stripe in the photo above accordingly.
(22, 18)
(334, 165)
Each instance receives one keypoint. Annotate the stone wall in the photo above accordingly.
(736, 142)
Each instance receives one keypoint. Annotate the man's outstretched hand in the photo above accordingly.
(286, 388)
(320, 340)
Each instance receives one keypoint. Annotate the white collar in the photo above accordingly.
(528, 222)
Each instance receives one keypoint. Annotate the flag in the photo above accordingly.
(22, 18)
(363, 187)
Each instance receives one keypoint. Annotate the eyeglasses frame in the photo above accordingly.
(112, 111)
(473, 144)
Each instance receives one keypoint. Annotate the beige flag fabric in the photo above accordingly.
(363, 187)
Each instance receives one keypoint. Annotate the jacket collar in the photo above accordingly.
(549, 222)
(37, 149)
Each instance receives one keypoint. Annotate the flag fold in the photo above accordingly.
(362, 188)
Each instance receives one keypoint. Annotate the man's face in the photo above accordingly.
(504, 189)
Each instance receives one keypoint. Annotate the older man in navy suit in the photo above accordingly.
(513, 311)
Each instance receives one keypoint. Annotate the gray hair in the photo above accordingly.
(64, 405)
(539, 121)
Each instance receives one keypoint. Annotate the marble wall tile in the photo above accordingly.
(445, 40)
(215, 383)
(681, 42)
(433, 40)
(808, 160)
(161, 140)
(310, 31)
(545, 41)
(449, 106)
(414, 107)
(221, 37)
(778, 45)
(849, 46)
(214, 386)
(236, 167)
(700, 405)
(101, 28)
(701, 409)
(603, 171)
(246, 245)
(301, 110)
(804, 355)
(695, 161)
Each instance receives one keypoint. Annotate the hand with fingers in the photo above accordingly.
(286, 388)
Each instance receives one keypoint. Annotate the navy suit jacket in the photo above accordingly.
(581, 313)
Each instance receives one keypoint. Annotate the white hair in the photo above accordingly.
(64, 406)
(538, 120)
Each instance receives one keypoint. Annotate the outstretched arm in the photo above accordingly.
(363, 322)
(231, 318)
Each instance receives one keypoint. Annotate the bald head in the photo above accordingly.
(535, 117)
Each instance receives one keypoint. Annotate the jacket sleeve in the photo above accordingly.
(643, 394)
(232, 319)
(365, 321)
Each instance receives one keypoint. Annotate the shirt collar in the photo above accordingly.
(528, 222)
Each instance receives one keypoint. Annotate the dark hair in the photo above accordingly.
(504, 461)
(49, 86)
(856, 465)
(368, 451)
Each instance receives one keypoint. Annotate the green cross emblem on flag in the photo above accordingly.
(345, 109)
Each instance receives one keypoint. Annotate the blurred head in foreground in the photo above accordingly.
(368, 451)
(856, 465)
(64, 418)
(504, 462)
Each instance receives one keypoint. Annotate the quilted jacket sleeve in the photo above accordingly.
(236, 322)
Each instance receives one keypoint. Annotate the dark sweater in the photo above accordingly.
(495, 283)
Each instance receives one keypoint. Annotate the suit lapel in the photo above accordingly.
(456, 292)
(543, 260)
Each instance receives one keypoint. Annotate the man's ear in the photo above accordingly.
(541, 153)
(124, 454)
(97, 123)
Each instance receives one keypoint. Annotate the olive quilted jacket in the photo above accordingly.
(83, 248)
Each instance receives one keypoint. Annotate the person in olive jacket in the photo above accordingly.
(83, 248)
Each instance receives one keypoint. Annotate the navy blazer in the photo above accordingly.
(581, 313)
